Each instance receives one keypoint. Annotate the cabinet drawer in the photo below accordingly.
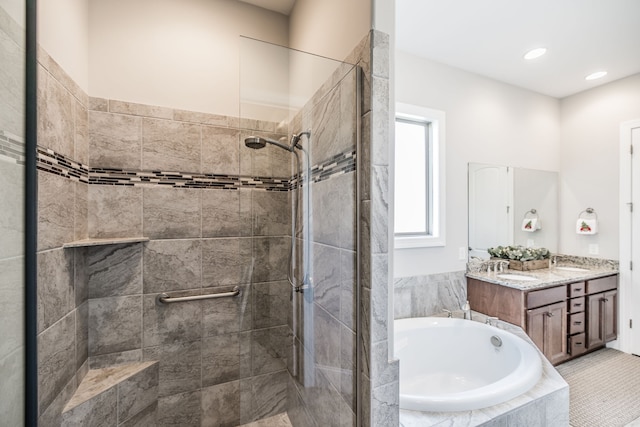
(546, 296)
(576, 323)
(576, 305)
(576, 289)
(601, 285)
(577, 344)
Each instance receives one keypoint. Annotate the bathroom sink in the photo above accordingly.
(571, 269)
(509, 276)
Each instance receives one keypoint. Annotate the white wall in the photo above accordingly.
(184, 54)
(589, 153)
(181, 54)
(330, 28)
(15, 9)
(487, 122)
(63, 31)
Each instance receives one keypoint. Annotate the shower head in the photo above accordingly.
(256, 142)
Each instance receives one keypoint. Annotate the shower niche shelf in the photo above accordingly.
(106, 241)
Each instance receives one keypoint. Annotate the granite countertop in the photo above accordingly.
(547, 277)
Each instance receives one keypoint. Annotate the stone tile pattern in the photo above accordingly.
(220, 361)
(63, 305)
(12, 350)
(420, 296)
(116, 396)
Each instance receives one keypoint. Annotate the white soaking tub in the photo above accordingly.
(459, 365)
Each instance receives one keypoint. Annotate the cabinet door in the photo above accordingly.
(547, 327)
(535, 326)
(610, 318)
(556, 333)
(595, 332)
(603, 318)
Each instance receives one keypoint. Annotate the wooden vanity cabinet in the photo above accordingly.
(547, 327)
(564, 321)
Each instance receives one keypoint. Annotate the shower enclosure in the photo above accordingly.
(225, 278)
(299, 119)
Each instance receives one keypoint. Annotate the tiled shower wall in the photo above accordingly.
(379, 387)
(322, 390)
(221, 361)
(62, 217)
(12, 171)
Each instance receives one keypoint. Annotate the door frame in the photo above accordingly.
(625, 336)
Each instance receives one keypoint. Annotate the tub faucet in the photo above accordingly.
(489, 319)
(449, 313)
(466, 308)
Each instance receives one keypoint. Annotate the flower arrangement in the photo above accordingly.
(519, 253)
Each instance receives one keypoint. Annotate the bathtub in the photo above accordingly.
(459, 365)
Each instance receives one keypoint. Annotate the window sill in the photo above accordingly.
(407, 242)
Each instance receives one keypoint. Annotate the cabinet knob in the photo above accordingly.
(549, 314)
(577, 289)
(577, 323)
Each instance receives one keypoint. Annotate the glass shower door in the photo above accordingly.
(12, 213)
(298, 120)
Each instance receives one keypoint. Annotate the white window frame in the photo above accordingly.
(437, 134)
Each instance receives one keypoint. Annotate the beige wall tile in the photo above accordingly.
(55, 115)
(115, 140)
(220, 150)
(115, 211)
(170, 146)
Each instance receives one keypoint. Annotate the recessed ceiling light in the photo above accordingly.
(535, 53)
(596, 75)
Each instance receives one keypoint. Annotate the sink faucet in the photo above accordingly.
(488, 266)
(501, 265)
(554, 261)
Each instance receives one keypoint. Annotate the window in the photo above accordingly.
(419, 177)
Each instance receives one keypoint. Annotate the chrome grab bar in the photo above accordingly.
(166, 299)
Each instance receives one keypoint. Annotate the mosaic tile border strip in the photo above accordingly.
(11, 148)
(337, 165)
(52, 162)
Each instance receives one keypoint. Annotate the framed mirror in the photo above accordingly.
(511, 206)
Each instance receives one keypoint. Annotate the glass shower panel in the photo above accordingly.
(298, 120)
(12, 229)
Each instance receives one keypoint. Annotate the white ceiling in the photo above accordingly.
(280, 6)
(489, 37)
